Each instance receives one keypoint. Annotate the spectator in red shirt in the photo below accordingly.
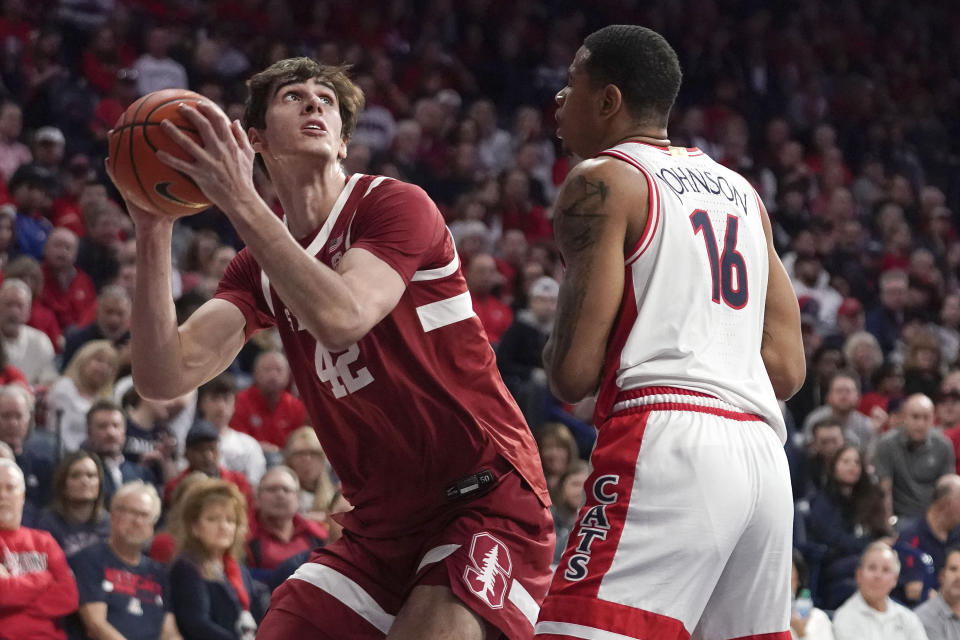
(37, 585)
(482, 279)
(519, 211)
(266, 410)
(280, 531)
(67, 290)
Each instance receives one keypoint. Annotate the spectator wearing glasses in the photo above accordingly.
(123, 593)
(280, 531)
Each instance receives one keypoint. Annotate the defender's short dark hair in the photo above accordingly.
(263, 86)
(641, 63)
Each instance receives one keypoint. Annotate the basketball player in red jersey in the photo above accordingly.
(676, 311)
(450, 535)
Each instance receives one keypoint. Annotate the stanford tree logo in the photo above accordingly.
(489, 575)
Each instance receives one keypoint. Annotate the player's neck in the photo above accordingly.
(657, 137)
(308, 197)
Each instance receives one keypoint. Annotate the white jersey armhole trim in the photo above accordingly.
(376, 182)
(654, 209)
(439, 272)
(321, 239)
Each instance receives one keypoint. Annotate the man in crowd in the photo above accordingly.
(911, 458)
(813, 468)
(484, 280)
(37, 587)
(28, 349)
(266, 410)
(202, 452)
(870, 613)
(843, 396)
(238, 451)
(280, 532)
(67, 291)
(123, 593)
(937, 529)
(940, 614)
(106, 436)
(35, 454)
(886, 319)
(150, 440)
(112, 323)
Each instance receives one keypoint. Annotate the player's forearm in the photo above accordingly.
(155, 352)
(782, 355)
(316, 294)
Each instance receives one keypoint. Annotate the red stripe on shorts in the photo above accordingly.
(618, 445)
(613, 617)
(779, 635)
(680, 406)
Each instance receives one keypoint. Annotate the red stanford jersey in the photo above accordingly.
(417, 404)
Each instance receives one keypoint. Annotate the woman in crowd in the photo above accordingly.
(212, 590)
(567, 500)
(305, 456)
(163, 547)
(88, 377)
(812, 623)
(76, 518)
(557, 450)
(846, 516)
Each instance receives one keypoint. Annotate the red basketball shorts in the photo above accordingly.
(494, 552)
(686, 530)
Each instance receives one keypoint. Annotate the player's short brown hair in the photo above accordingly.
(264, 85)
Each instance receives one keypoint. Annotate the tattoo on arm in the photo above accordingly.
(578, 222)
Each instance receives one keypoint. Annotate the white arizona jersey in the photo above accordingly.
(694, 291)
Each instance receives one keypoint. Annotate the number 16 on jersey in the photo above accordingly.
(726, 264)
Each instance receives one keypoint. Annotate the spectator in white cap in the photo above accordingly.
(519, 352)
(49, 146)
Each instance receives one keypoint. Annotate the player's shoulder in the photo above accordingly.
(606, 176)
(387, 187)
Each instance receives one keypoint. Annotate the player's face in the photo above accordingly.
(578, 103)
(302, 118)
(216, 527)
(877, 575)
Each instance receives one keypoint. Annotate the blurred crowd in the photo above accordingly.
(844, 116)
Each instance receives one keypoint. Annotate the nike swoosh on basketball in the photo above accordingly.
(163, 188)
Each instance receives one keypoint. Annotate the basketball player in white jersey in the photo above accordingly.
(676, 311)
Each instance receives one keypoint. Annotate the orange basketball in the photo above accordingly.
(137, 172)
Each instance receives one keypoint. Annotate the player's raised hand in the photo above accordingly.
(223, 165)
